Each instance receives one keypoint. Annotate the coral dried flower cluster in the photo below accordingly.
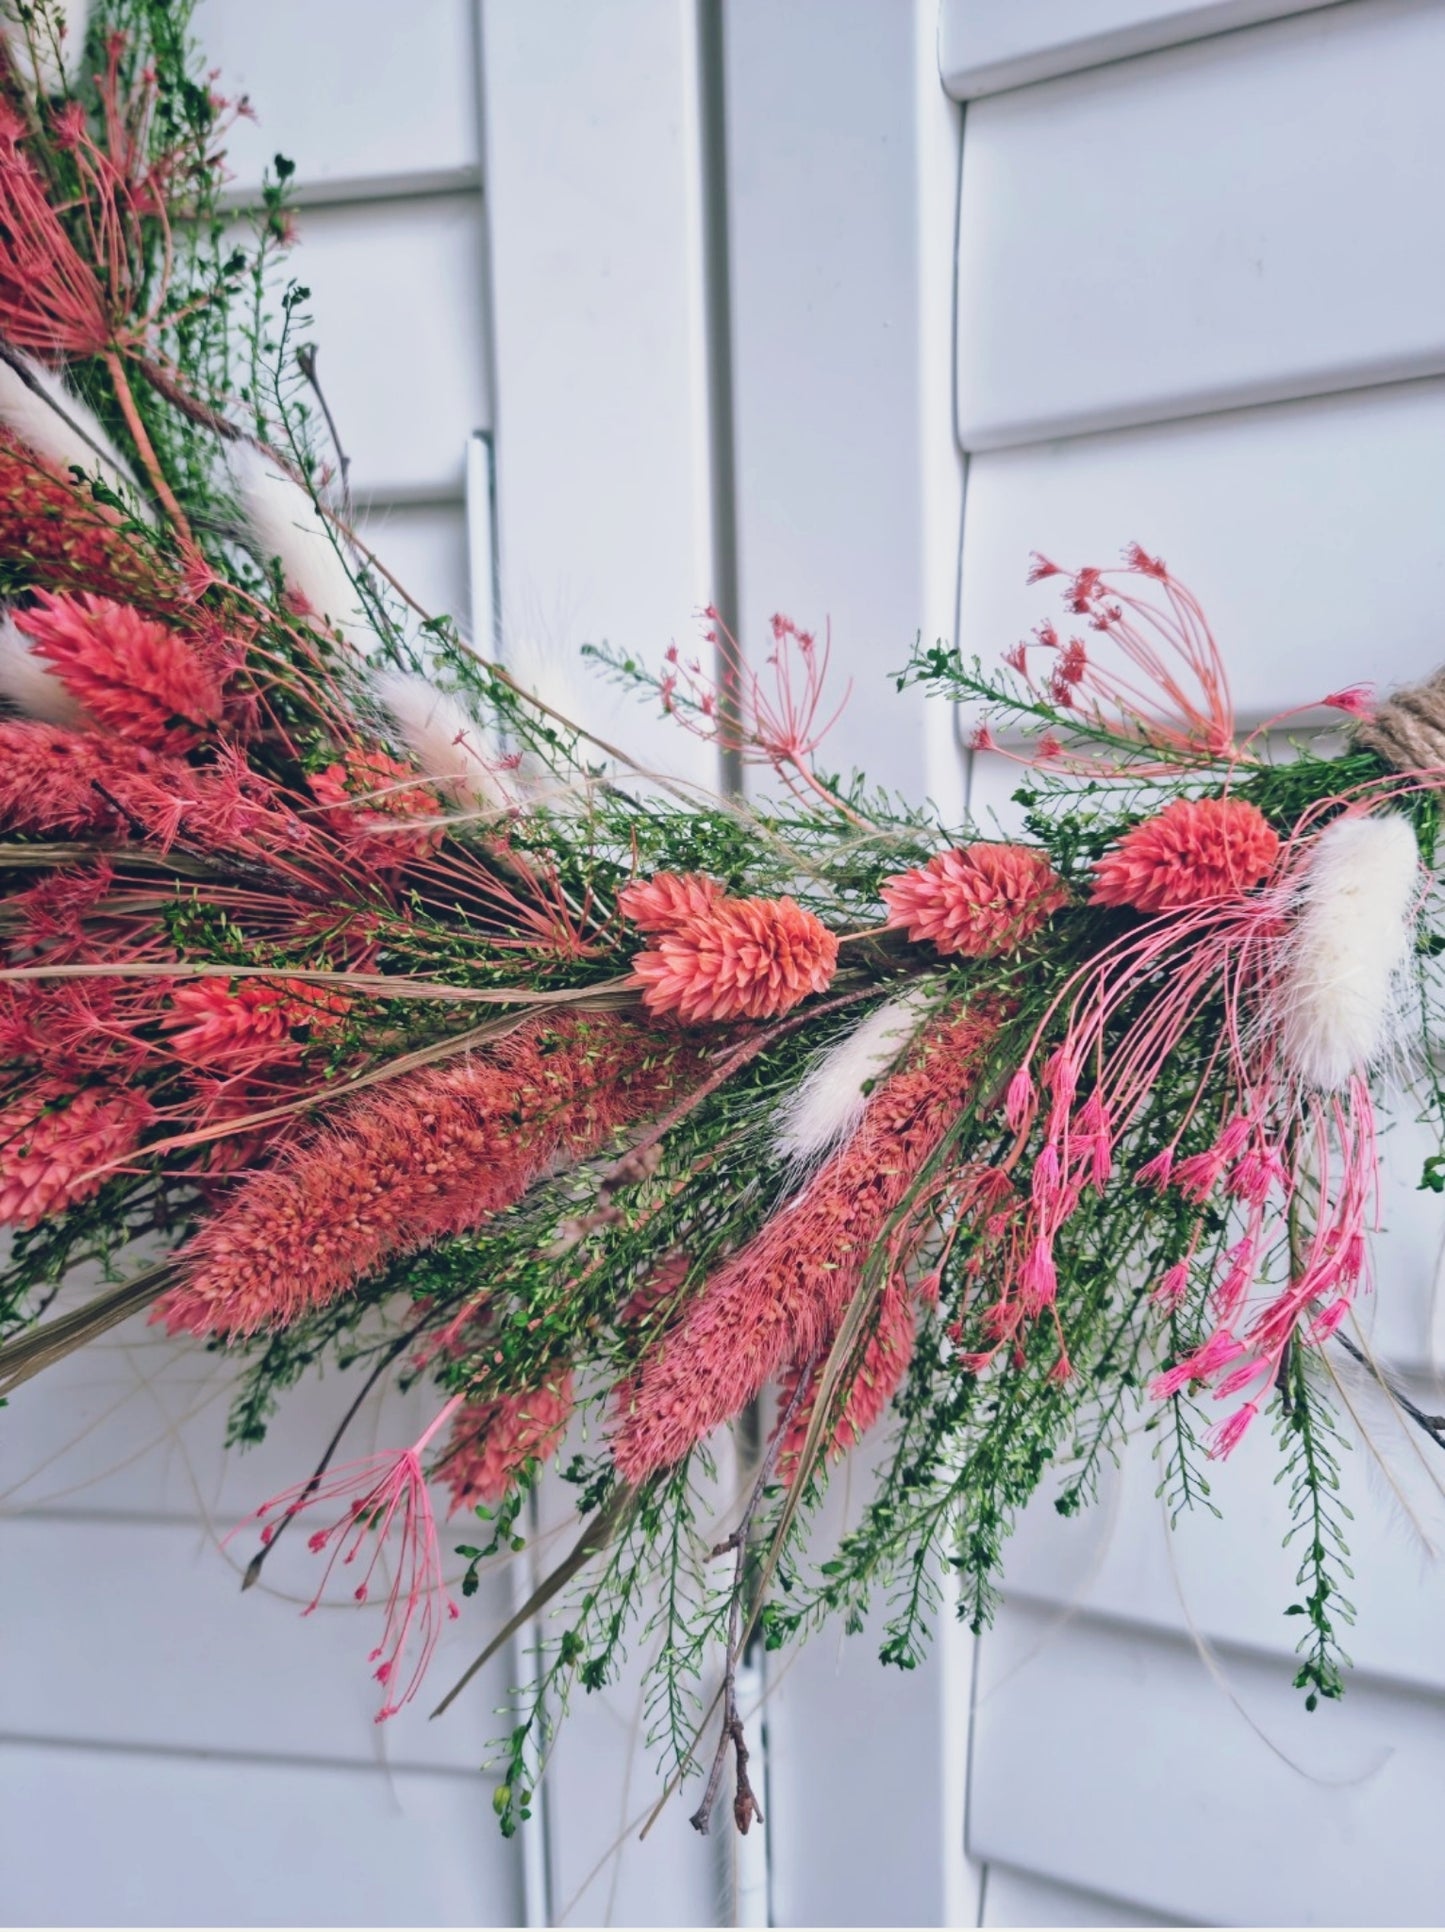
(359, 1014)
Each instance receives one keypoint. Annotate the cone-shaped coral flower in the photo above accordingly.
(738, 959)
(490, 1441)
(667, 900)
(249, 1021)
(134, 676)
(435, 1153)
(980, 900)
(53, 1141)
(1195, 850)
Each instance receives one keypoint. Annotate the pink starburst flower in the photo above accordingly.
(384, 1503)
(667, 900)
(54, 780)
(492, 1440)
(739, 959)
(133, 675)
(980, 900)
(55, 1145)
(1195, 850)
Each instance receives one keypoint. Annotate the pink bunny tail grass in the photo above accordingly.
(385, 1505)
(439, 1152)
(885, 1362)
(491, 1441)
(780, 1297)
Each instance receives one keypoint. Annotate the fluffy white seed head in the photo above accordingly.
(449, 745)
(49, 54)
(1343, 987)
(59, 427)
(285, 526)
(827, 1104)
(28, 683)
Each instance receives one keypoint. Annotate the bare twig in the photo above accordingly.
(1433, 1425)
(306, 363)
(745, 1804)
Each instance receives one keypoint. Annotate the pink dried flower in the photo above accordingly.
(883, 1367)
(739, 959)
(373, 802)
(133, 675)
(667, 900)
(491, 1440)
(247, 1020)
(980, 900)
(434, 1153)
(55, 1145)
(1195, 850)
(1356, 699)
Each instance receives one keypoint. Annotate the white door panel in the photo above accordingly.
(1223, 223)
(985, 46)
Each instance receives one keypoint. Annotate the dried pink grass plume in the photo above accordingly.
(780, 1299)
(980, 900)
(492, 1440)
(737, 959)
(433, 1154)
(1196, 849)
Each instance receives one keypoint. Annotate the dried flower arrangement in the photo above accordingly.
(354, 1006)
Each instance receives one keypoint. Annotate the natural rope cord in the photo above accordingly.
(1408, 728)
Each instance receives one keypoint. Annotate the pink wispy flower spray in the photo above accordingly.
(386, 1509)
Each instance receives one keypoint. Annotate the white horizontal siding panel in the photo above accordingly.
(985, 46)
(1125, 1768)
(424, 546)
(1022, 1898)
(397, 297)
(352, 91)
(1309, 531)
(1203, 228)
(123, 1838)
(172, 1655)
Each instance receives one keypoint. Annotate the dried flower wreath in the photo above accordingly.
(354, 1005)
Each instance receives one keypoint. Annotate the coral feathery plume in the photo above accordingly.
(134, 676)
(738, 959)
(438, 1152)
(667, 900)
(884, 1365)
(1195, 850)
(491, 1441)
(980, 900)
(54, 1143)
(782, 1297)
(384, 1497)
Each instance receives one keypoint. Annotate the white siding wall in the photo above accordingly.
(170, 1751)
(1199, 306)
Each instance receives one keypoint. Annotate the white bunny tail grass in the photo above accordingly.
(28, 683)
(1342, 991)
(825, 1107)
(48, 46)
(449, 745)
(286, 527)
(38, 407)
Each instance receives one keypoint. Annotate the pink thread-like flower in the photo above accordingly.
(136, 677)
(53, 1141)
(383, 1498)
(436, 1152)
(979, 900)
(492, 1440)
(668, 900)
(739, 959)
(1195, 850)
